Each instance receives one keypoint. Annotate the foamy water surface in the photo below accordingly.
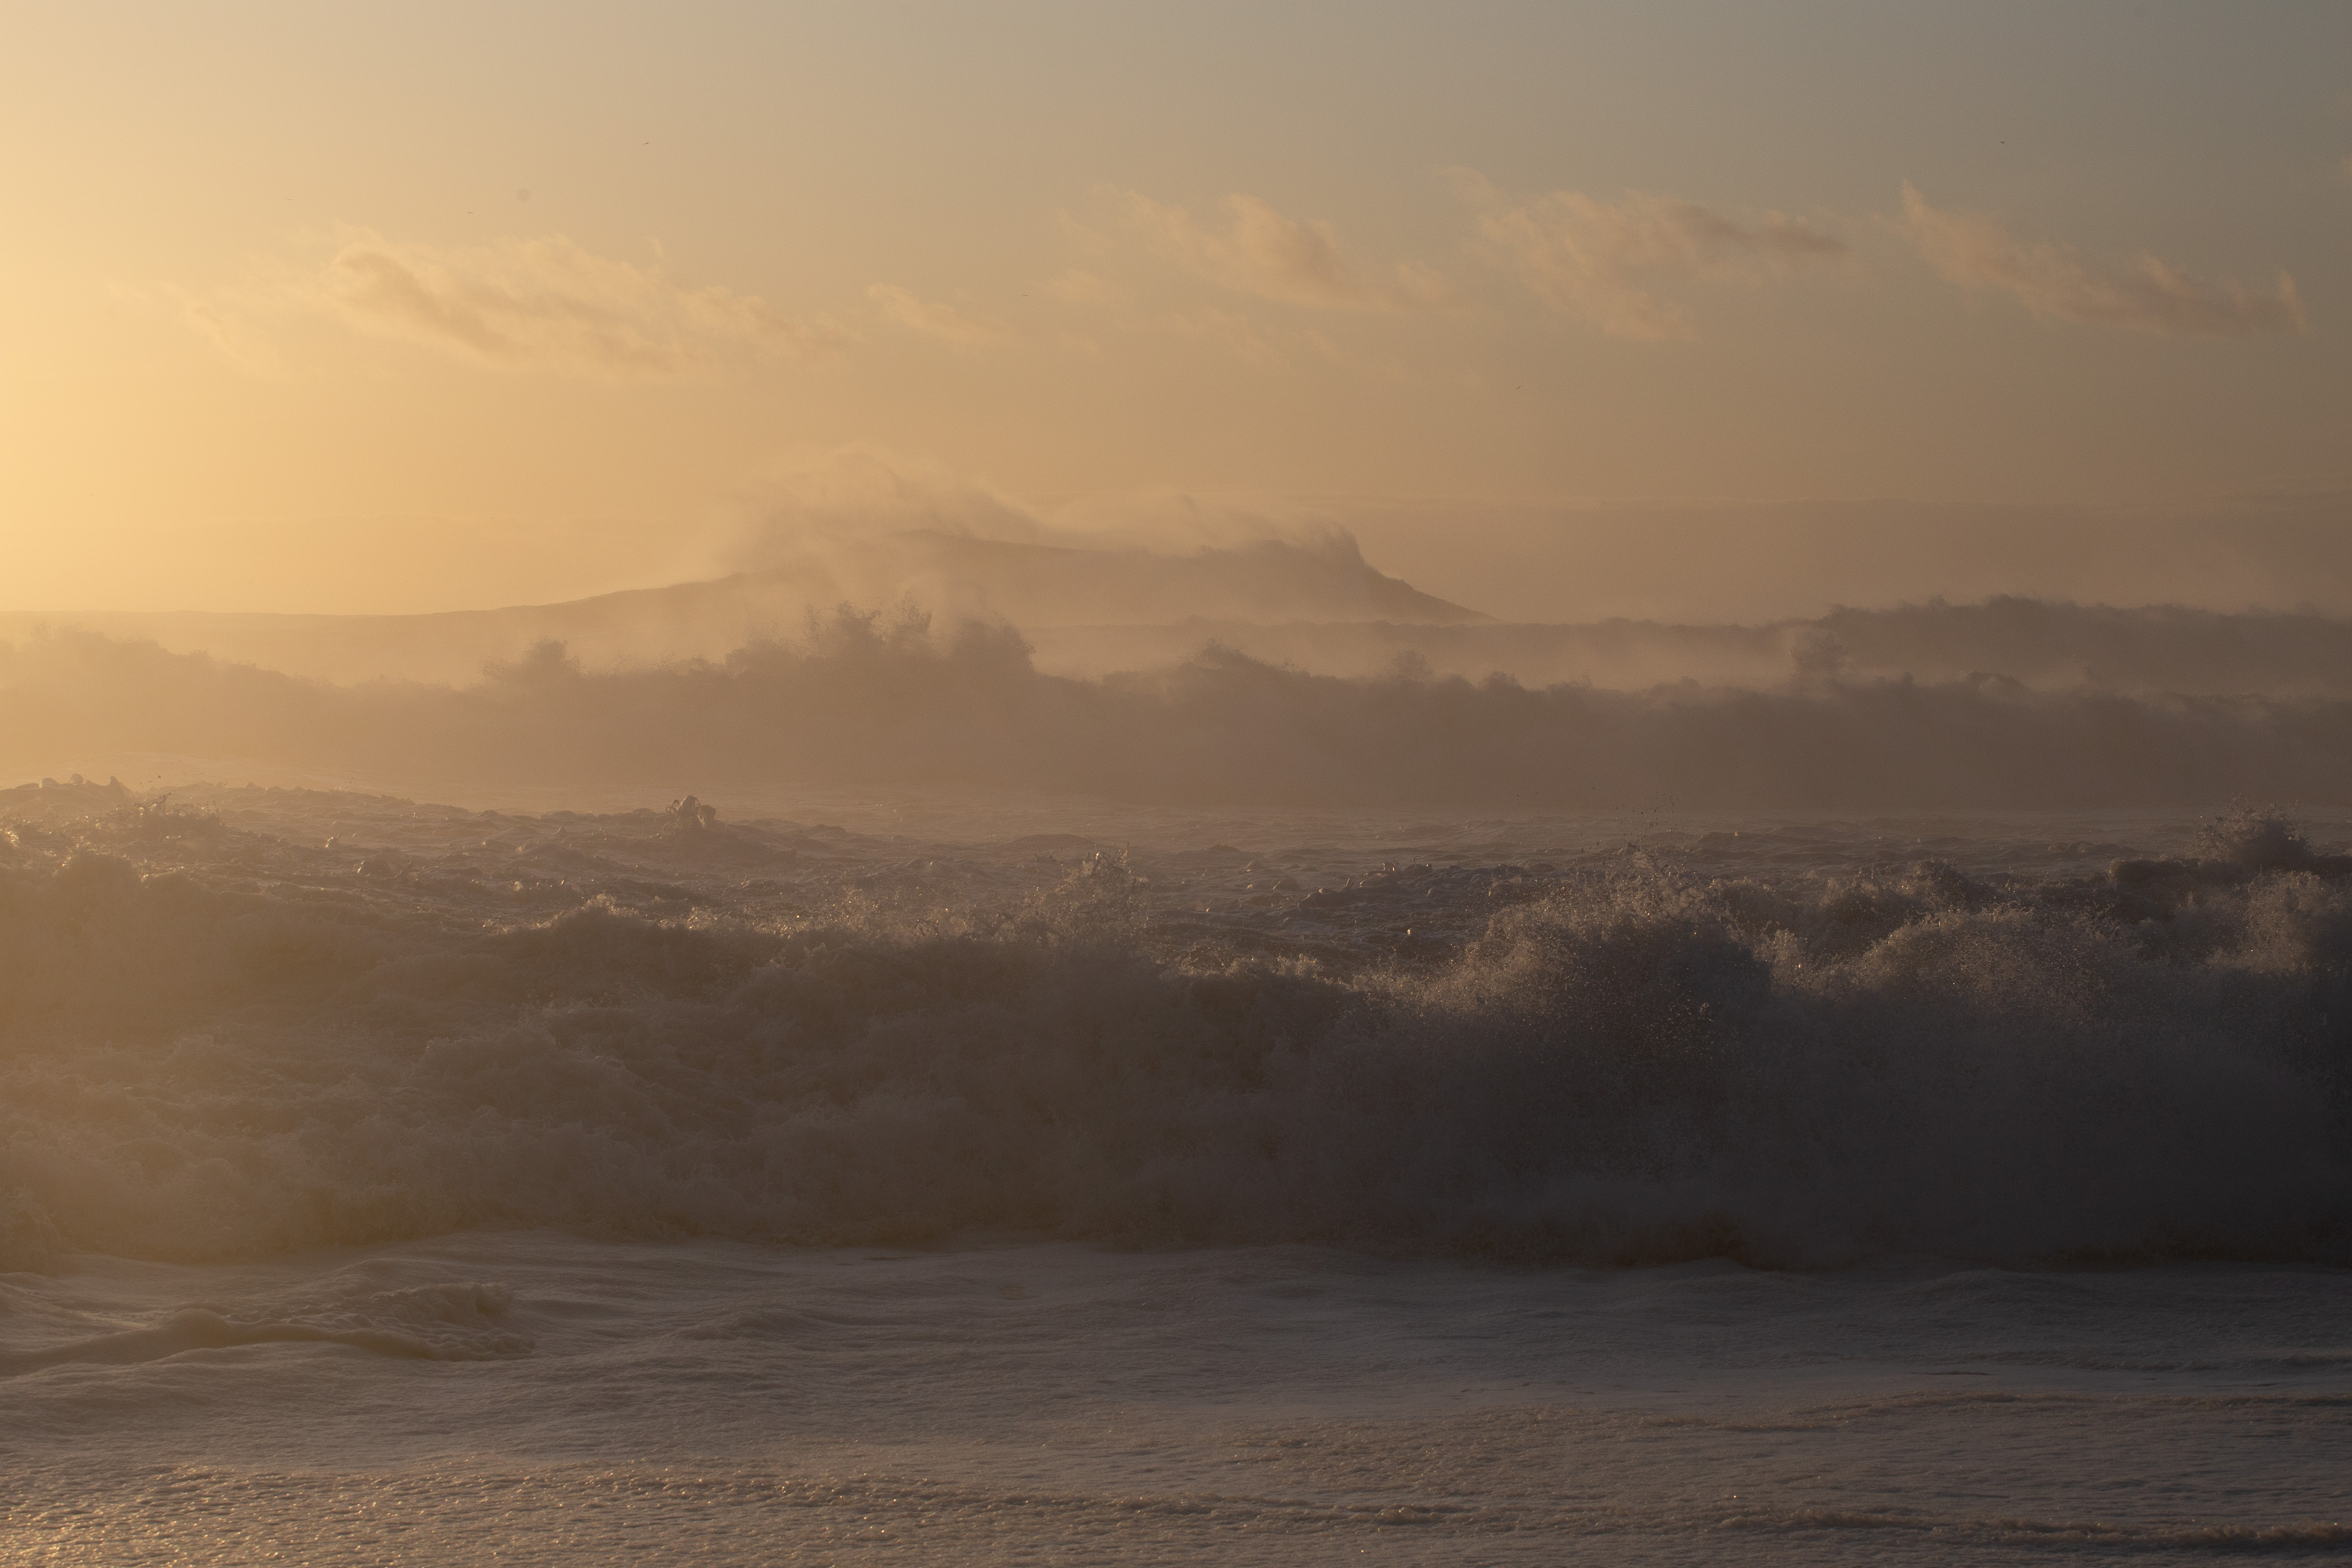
(965, 1179)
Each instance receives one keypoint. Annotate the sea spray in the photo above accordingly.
(1637, 1061)
(872, 702)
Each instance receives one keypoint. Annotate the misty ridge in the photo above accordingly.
(2054, 647)
(889, 630)
(2246, 598)
(1099, 592)
(863, 698)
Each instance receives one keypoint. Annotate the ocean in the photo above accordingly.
(956, 1175)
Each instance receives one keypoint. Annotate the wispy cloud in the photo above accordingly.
(2145, 294)
(1113, 306)
(233, 333)
(1599, 260)
(1259, 251)
(933, 318)
(1237, 335)
(527, 304)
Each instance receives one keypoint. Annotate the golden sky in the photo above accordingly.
(358, 309)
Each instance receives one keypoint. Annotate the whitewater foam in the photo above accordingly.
(223, 1043)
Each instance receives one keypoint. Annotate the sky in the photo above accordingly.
(397, 309)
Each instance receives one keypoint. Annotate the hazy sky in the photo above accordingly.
(403, 308)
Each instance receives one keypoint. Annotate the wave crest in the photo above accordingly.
(1623, 1067)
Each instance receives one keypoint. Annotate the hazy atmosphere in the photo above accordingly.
(1499, 784)
(323, 311)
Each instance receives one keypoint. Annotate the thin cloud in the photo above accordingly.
(2145, 294)
(1259, 251)
(231, 332)
(548, 304)
(1597, 260)
(1237, 335)
(1115, 307)
(933, 319)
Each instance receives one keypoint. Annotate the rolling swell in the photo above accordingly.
(1625, 1066)
(866, 701)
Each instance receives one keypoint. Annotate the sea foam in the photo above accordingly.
(1636, 1060)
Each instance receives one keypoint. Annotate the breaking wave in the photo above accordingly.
(867, 701)
(1629, 1064)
